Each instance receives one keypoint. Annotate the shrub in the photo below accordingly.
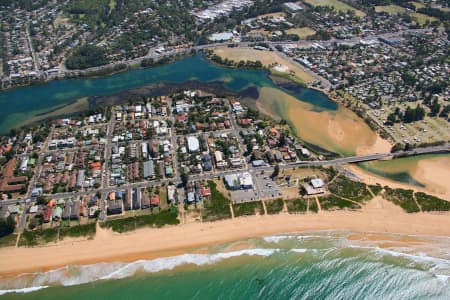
(274, 206)
(432, 203)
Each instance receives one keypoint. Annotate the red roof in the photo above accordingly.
(206, 191)
(155, 200)
(96, 165)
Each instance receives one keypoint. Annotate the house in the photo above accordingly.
(154, 202)
(171, 189)
(57, 213)
(114, 207)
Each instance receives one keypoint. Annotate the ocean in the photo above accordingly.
(316, 265)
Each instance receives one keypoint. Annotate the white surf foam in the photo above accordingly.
(418, 257)
(23, 291)
(169, 263)
(75, 275)
(300, 250)
(278, 238)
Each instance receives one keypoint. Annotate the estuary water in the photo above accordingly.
(22, 103)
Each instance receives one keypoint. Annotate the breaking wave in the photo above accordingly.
(23, 291)
(75, 275)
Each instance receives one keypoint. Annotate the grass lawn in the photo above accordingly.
(390, 9)
(267, 58)
(289, 76)
(302, 32)
(272, 15)
(417, 4)
(338, 5)
(421, 18)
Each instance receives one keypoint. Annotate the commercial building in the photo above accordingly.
(149, 169)
(193, 144)
(239, 181)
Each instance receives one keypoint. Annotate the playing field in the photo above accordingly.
(269, 59)
(338, 5)
(422, 19)
(390, 9)
(302, 32)
(417, 4)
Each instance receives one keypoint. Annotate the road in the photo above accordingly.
(154, 55)
(352, 159)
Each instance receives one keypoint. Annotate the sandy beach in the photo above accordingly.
(378, 216)
(432, 173)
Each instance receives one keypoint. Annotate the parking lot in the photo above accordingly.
(263, 188)
(266, 187)
(242, 196)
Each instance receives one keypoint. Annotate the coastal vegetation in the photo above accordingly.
(299, 205)
(38, 237)
(332, 202)
(86, 230)
(164, 217)
(31, 238)
(8, 240)
(353, 190)
(218, 207)
(274, 206)
(431, 203)
(402, 197)
(375, 188)
(248, 209)
(7, 226)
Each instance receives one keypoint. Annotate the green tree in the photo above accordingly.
(7, 226)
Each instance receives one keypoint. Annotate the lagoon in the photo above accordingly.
(22, 103)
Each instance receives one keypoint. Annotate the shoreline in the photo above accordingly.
(148, 243)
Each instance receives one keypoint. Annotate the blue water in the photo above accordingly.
(22, 103)
(315, 266)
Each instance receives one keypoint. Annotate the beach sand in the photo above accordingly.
(339, 131)
(434, 173)
(379, 216)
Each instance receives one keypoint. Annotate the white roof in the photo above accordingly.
(317, 183)
(246, 179)
(193, 143)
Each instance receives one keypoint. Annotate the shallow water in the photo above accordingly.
(401, 169)
(320, 265)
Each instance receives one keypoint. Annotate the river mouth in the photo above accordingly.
(424, 171)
